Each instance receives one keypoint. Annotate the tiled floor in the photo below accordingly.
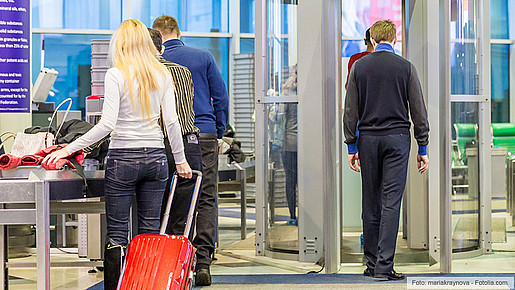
(60, 277)
(236, 257)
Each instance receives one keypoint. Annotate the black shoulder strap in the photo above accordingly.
(80, 172)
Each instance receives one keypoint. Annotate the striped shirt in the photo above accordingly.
(184, 94)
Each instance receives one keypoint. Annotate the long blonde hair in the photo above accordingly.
(134, 54)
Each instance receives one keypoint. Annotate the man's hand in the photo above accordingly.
(423, 163)
(352, 160)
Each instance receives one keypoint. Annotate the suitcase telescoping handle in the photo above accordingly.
(194, 198)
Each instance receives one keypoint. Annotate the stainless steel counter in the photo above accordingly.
(43, 192)
(62, 192)
(234, 177)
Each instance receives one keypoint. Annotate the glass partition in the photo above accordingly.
(467, 126)
(465, 177)
(282, 46)
(282, 178)
(464, 48)
(281, 132)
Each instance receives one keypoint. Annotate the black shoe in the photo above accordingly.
(202, 276)
(392, 275)
(368, 272)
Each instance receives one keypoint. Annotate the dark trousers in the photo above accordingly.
(140, 173)
(384, 164)
(207, 209)
(184, 190)
(290, 168)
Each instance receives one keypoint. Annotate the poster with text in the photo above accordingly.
(14, 56)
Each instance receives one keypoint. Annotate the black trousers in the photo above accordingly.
(207, 209)
(290, 168)
(184, 190)
(384, 164)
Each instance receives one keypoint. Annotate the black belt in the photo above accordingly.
(208, 136)
(188, 134)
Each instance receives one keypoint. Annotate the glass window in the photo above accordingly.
(499, 21)
(247, 16)
(350, 47)
(70, 55)
(358, 16)
(218, 46)
(73, 14)
(500, 68)
(247, 45)
(500, 61)
(193, 16)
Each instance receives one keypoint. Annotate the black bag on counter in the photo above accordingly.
(230, 146)
(72, 130)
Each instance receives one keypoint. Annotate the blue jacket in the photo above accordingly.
(211, 102)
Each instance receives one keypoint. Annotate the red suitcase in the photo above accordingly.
(162, 261)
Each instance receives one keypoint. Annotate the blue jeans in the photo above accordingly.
(140, 172)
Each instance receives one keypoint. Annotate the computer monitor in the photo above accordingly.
(43, 85)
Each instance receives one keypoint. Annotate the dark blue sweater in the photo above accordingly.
(383, 92)
(211, 103)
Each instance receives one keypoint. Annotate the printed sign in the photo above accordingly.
(14, 56)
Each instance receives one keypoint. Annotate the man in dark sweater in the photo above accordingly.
(383, 91)
(211, 106)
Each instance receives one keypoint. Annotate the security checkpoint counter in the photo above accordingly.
(43, 192)
(234, 177)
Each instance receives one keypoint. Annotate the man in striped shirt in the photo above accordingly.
(184, 95)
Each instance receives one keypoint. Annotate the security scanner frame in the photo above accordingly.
(430, 31)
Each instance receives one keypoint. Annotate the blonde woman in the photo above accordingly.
(137, 88)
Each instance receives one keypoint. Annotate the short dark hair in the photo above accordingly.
(367, 36)
(157, 38)
(166, 24)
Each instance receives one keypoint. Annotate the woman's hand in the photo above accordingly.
(56, 155)
(184, 170)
